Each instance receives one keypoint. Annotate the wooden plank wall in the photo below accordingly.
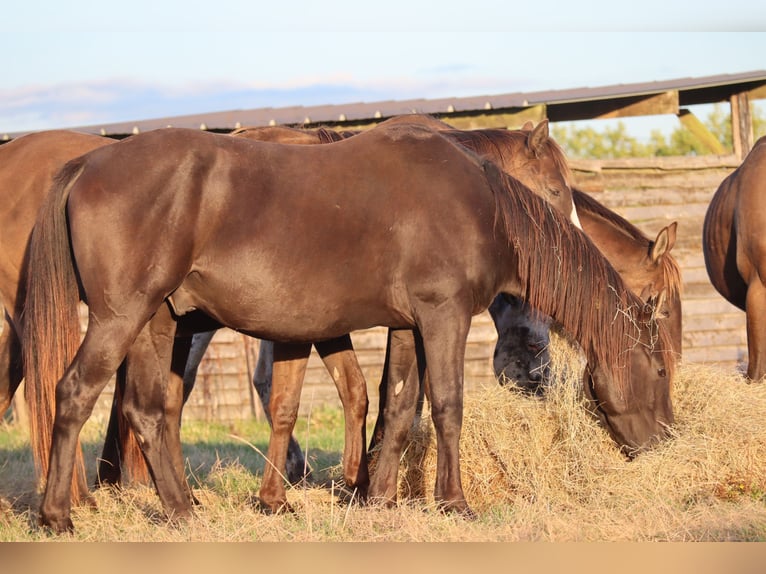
(654, 192)
(649, 192)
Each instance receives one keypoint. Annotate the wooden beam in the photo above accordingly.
(758, 93)
(511, 119)
(698, 129)
(741, 124)
(654, 104)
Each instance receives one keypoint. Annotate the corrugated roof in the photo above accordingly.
(708, 89)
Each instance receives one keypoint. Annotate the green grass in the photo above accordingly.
(208, 448)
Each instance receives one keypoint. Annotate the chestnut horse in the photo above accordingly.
(27, 167)
(399, 227)
(735, 249)
(646, 265)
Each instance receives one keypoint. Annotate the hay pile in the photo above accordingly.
(557, 469)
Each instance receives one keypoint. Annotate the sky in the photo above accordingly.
(86, 62)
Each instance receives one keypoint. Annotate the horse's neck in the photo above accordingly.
(619, 247)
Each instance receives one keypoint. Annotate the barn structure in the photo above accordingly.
(650, 192)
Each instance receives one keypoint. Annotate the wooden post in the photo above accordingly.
(741, 125)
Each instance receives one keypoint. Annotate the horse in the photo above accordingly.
(735, 252)
(529, 155)
(399, 227)
(27, 167)
(646, 265)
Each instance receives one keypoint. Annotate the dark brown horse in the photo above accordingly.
(26, 169)
(398, 227)
(735, 249)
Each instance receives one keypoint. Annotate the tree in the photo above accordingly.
(615, 142)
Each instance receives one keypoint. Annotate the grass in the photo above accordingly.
(533, 469)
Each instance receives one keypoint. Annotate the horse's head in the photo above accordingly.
(543, 168)
(636, 414)
(522, 350)
(662, 290)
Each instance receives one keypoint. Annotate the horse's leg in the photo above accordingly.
(755, 306)
(120, 446)
(290, 362)
(110, 463)
(152, 405)
(398, 413)
(11, 366)
(199, 344)
(175, 399)
(296, 468)
(444, 339)
(339, 358)
(105, 345)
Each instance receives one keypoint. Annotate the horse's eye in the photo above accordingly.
(662, 372)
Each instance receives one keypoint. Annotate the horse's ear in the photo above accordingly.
(527, 127)
(538, 137)
(665, 241)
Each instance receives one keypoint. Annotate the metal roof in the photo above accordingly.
(561, 105)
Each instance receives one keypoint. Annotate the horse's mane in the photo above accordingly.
(322, 135)
(504, 144)
(670, 269)
(327, 135)
(574, 284)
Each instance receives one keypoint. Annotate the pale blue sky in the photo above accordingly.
(82, 62)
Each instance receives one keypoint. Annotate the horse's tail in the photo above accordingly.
(51, 326)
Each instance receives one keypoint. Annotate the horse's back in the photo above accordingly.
(365, 221)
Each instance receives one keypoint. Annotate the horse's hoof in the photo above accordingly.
(380, 501)
(88, 501)
(279, 507)
(458, 508)
(57, 526)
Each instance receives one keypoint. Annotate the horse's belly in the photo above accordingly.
(290, 313)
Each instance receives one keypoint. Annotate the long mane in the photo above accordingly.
(504, 145)
(564, 275)
(670, 269)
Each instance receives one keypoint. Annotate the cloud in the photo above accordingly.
(81, 104)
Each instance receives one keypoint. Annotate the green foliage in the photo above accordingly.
(615, 141)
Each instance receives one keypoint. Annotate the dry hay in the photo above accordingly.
(557, 469)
